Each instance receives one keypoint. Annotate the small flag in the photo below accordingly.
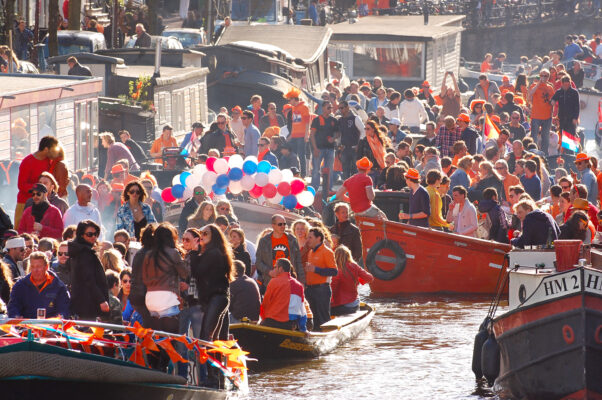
(570, 142)
(490, 130)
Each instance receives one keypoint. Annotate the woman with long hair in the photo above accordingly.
(111, 260)
(162, 269)
(345, 298)
(223, 207)
(373, 147)
(521, 87)
(204, 214)
(134, 214)
(212, 270)
(575, 228)
(488, 177)
(565, 204)
(239, 248)
(300, 229)
(125, 278)
(137, 296)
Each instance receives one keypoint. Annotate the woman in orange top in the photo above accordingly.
(486, 64)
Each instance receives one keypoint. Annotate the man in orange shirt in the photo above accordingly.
(509, 180)
(319, 270)
(165, 140)
(298, 120)
(541, 112)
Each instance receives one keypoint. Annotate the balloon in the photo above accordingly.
(167, 196)
(264, 166)
(273, 167)
(284, 188)
(247, 182)
(311, 189)
(276, 199)
(269, 191)
(305, 198)
(261, 179)
(235, 187)
(210, 162)
(222, 181)
(235, 173)
(249, 167)
(188, 192)
(275, 176)
(298, 206)
(297, 186)
(192, 180)
(256, 191)
(177, 191)
(175, 180)
(218, 190)
(183, 177)
(287, 175)
(220, 166)
(208, 179)
(289, 201)
(235, 161)
(199, 169)
(251, 158)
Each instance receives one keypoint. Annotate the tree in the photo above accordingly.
(153, 8)
(9, 17)
(53, 19)
(75, 7)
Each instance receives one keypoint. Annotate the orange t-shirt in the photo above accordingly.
(322, 257)
(301, 119)
(485, 66)
(542, 109)
(280, 248)
(510, 180)
(159, 144)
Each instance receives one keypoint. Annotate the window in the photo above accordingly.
(86, 134)
(177, 110)
(20, 131)
(47, 119)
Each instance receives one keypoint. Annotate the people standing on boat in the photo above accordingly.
(360, 189)
(412, 112)
(223, 207)
(538, 227)
(40, 289)
(498, 224)
(245, 299)
(419, 209)
(220, 138)
(587, 177)
(83, 209)
(271, 118)
(435, 219)
(486, 64)
(114, 316)
(165, 140)
(576, 228)
(132, 146)
(487, 178)
(89, 290)
(300, 119)
(116, 151)
(236, 238)
(264, 153)
(48, 180)
(345, 299)
(300, 229)
(352, 130)
(324, 130)
(252, 134)
(205, 214)
(462, 213)
(192, 140)
(237, 126)
(134, 214)
(42, 218)
(485, 89)
(319, 270)
(348, 233)
(450, 97)
(373, 147)
(567, 99)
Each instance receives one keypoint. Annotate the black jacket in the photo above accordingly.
(88, 282)
(568, 104)
(243, 255)
(136, 151)
(499, 225)
(216, 140)
(210, 269)
(189, 208)
(538, 228)
(349, 235)
(476, 193)
(79, 70)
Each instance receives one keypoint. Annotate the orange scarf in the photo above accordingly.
(377, 149)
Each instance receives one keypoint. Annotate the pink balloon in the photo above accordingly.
(209, 163)
(256, 192)
(167, 196)
(298, 206)
(269, 191)
(297, 186)
(284, 188)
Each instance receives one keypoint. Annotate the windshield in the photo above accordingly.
(73, 48)
(187, 39)
(257, 10)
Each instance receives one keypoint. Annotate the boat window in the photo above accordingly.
(20, 131)
(392, 61)
(47, 119)
(86, 134)
(254, 10)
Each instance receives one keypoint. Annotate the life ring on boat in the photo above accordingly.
(567, 334)
(598, 334)
(400, 260)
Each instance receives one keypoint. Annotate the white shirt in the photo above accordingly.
(238, 129)
(76, 213)
(412, 113)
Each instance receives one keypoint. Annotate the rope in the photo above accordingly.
(500, 288)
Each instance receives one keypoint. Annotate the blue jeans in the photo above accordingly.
(189, 316)
(298, 145)
(348, 159)
(328, 156)
(545, 125)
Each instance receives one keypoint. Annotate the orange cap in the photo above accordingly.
(237, 109)
(475, 102)
(581, 157)
(117, 168)
(464, 118)
(364, 164)
(366, 84)
(505, 79)
(412, 174)
(426, 84)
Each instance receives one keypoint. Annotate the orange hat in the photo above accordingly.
(464, 117)
(237, 109)
(293, 93)
(581, 157)
(505, 79)
(366, 84)
(412, 174)
(496, 118)
(581, 204)
(286, 107)
(335, 82)
(475, 102)
(117, 187)
(426, 84)
(91, 178)
(364, 164)
(117, 168)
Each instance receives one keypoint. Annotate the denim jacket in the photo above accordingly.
(125, 217)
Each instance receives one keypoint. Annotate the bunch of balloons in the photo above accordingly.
(234, 174)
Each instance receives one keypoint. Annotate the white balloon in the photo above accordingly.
(275, 177)
(176, 180)
(208, 179)
(220, 166)
(191, 181)
(199, 169)
(305, 198)
(188, 192)
(261, 179)
(235, 187)
(276, 199)
(287, 175)
(251, 158)
(247, 182)
(235, 161)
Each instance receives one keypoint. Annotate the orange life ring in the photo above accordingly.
(598, 335)
(567, 334)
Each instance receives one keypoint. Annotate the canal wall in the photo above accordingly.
(525, 39)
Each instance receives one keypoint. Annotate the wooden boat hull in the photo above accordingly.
(264, 343)
(551, 348)
(429, 261)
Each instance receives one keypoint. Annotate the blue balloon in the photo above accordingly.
(222, 181)
(235, 174)
(217, 190)
(183, 177)
(273, 167)
(289, 201)
(249, 167)
(178, 191)
(311, 189)
(263, 166)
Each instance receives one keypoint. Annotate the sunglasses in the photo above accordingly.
(565, 187)
(126, 281)
(134, 192)
(199, 193)
(261, 144)
(281, 224)
(244, 117)
(186, 240)
(63, 253)
(91, 234)
(224, 209)
(36, 194)
(223, 123)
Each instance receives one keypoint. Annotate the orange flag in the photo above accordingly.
(137, 357)
(490, 130)
(174, 356)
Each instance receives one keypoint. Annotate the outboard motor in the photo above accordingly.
(479, 340)
(490, 359)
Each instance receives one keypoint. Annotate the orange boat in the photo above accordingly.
(410, 259)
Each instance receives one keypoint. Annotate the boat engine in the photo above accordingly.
(479, 340)
(490, 359)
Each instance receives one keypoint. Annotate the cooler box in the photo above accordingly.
(567, 254)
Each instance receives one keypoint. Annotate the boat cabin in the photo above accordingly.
(400, 49)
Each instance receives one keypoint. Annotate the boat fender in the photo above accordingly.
(479, 340)
(598, 334)
(567, 334)
(400, 260)
(490, 359)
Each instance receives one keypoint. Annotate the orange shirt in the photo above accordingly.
(301, 119)
(542, 109)
(485, 66)
(322, 257)
(280, 248)
(510, 180)
(159, 144)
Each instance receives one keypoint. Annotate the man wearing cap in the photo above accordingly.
(471, 137)
(541, 93)
(190, 206)
(324, 130)
(116, 151)
(193, 139)
(299, 127)
(412, 112)
(165, 140)
(118, 174)
(426, 93)
(83, 209)
(132, 146)
(42, 218)
(39, 289)
(360, 191)
(420, 202)
(587, 177)
(579, 191)
(395, 134)
(14, 252)
(237, 126)
(506, 85)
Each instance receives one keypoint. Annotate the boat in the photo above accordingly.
(548, 345)
(79, 359)
(265, 343)
(409, 259)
